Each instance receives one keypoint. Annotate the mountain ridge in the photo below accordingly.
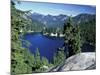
(59, 20)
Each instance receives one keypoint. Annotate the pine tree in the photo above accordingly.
(44, 61)
(37, 55)
(37, 63)
(72, 41)
(21, 59)
(77, 40)
(59, 57)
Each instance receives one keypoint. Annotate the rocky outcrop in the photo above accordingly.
(81, 61)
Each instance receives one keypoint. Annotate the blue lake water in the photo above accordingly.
(48, 45)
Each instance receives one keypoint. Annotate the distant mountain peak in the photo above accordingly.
(84, 17)
(59, 20)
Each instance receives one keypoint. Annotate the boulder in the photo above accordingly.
(81, 61)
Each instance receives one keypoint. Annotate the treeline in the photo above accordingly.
(35, 26)
(88, 31)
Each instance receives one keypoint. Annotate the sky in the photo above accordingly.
(55, 9)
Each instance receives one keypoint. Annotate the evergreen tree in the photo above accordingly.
(21, 59)
(72, 42)
(37, 56)
(44, 61)
(59, 57)
(37, 63)
(77, 40)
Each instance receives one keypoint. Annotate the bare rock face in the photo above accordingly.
(81, 61)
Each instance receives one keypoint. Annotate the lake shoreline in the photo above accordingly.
(45, 34)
